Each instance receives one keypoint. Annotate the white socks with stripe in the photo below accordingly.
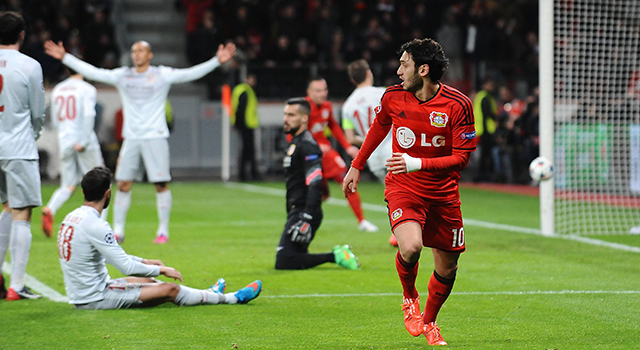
(164, 202)
(6, 219)
(121, 207)
(59, 197)
(20, 246)
(191, 296)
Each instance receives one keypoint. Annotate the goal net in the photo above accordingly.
(596, 116)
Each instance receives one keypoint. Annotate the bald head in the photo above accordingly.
(143, 44)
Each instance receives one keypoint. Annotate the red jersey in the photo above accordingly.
(322, 116)
(440, 127)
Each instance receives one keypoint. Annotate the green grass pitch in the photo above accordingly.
(507, 293)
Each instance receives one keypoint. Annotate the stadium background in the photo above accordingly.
(285, 43)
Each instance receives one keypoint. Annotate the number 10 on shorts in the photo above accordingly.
(458, 237)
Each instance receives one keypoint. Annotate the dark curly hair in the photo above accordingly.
(427, 51)
(95, 183)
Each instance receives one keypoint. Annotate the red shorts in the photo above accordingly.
(332, 164)
(441, 223)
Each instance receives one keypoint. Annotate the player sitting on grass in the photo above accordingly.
(86, 242)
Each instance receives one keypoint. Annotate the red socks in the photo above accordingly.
(354, 202)
(407, 273)
(439, 290)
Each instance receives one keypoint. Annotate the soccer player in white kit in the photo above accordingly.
(143, 90)
(73, 113)
(358, 113)
(21, 117)
(86, 243)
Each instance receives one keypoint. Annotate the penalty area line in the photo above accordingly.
(467, 222)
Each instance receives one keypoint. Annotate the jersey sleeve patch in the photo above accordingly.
(109, 238)
(312, 157)
(468, 135)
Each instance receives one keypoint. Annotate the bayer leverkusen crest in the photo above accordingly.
(439, 119)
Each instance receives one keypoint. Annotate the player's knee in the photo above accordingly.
(161, 186)
(125, 186)
(410, 252)
(171, 290)
(286, 261)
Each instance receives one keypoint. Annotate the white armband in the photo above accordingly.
(413, 164)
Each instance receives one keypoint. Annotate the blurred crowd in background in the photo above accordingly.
(483, 39)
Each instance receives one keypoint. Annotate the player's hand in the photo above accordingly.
(401, 163)
(78, 147)
(171, 273)
(301, 231)
(350, 182)
(53, 50)
(352, 151)
(226, 52)
(152, 262)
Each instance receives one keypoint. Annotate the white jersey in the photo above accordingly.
(85, 244)
(21, 105)
(73, 113)
(143, 95)
(358, 109)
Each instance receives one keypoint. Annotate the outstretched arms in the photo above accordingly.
(224, 54)
(90, 72)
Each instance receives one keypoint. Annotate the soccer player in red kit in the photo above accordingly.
(433, 135)
(333, 167)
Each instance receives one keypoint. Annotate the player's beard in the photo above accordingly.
(106, 202)
(292, 131)
(414, 84)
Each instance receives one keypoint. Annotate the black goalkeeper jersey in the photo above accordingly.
(303, 170)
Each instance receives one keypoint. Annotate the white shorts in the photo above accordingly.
(119, 294)
(154, 153)
(74, 164)
(20, 183)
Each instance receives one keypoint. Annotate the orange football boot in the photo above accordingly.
(432, 333)
(412, 318)
(47, 222)
(393, 241)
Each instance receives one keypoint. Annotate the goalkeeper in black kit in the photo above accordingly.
(303, 170)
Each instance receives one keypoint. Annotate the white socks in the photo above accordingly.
(163, 202)
(6, 219)
(59, 197)
(20, 246)
(191, 296)
(120, 209)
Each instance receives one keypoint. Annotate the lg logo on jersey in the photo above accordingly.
(406, 138)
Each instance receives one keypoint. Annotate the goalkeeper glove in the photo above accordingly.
(301, 231)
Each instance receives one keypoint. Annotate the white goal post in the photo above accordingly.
(590, 115)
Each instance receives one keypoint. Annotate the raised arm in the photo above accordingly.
(177, 76)
(90, 72)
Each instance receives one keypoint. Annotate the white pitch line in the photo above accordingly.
(469, 222)
(532, 292)
(38, 286)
